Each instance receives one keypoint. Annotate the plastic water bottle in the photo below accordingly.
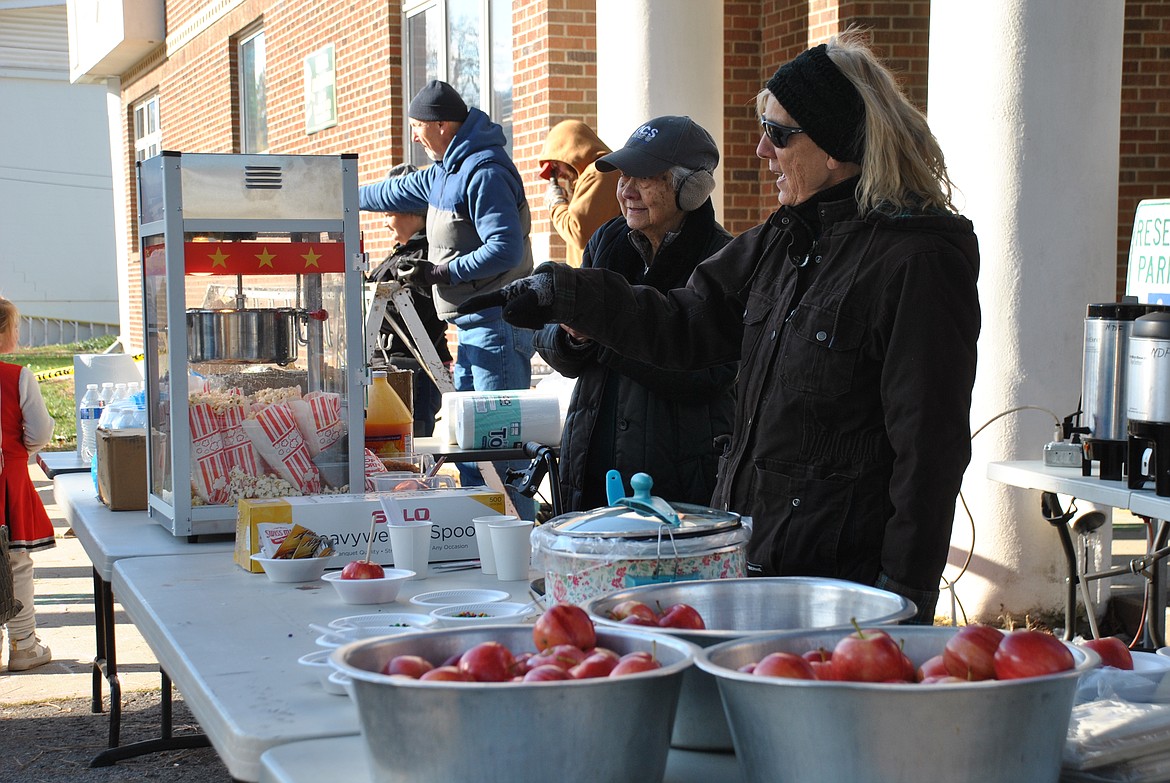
(107, 393)
(120, 392)
(90, 413)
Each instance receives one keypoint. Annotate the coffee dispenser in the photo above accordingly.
(1148, 402)
(1103, 383)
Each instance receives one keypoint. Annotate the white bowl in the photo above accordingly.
(340, 684)
(382, 620)
(472, 615)
(318, 663)
(301, 569)
(346, 635)
(369, 591)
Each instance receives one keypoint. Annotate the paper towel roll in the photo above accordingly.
(449, 411)
(497, 420)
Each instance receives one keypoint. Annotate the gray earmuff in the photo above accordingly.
(694, 190)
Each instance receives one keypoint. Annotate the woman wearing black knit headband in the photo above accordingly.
(854, 313)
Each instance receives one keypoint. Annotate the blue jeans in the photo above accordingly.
(492, 356)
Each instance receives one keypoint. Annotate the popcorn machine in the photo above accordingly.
(252, 305)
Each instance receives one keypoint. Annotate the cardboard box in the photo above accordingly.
(346, 520)
(121, 468)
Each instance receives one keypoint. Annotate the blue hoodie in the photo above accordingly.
(477, 215)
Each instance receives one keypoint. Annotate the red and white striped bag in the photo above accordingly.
(278, 440)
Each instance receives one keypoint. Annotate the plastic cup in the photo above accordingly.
(512, 548)
(411, 547)
(483, 539)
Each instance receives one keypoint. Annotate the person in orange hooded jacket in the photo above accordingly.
(579, 198)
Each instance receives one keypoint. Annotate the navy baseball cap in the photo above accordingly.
(661, 143)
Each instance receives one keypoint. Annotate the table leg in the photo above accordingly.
(99, 659)
(1155, 635)
(105, 662)
(166, 740)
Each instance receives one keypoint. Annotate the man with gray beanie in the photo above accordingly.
(478, 224)
(854, 313)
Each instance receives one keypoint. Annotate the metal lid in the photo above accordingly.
(1152, 326)
(1121, 311)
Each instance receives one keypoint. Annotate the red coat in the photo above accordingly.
(29, 527)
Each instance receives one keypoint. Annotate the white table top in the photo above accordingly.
(230, 641)
(1034, 474)
(344, 758)
(109, 536)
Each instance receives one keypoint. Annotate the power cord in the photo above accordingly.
(949, 584)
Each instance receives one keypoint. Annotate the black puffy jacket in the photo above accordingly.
(628, 415)
(852, 427)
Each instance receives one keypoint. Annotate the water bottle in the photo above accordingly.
(107, 393)
(120, 392)
(90, 413)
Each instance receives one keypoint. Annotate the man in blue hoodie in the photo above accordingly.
(478, 224)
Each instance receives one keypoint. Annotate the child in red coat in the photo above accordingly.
(25, 428)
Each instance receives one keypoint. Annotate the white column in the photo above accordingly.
(658, 57)
(1024, 97)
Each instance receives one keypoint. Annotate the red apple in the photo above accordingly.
(447, 674)
(820, 654)
(633, 663)
(564, 624)
(931, 667)
(1112, 650)
(566, 656)
(487, 662)
(408, 665)
(941, 678)
(782, 664)
(635, 619)
(520, 664)
(970, 653)
(868, 655)
(632, 608)
(747, 668)
(823, 670)
(681, 616)
(362, 569)
(1026, 653)
(545, 673)
(597, 664)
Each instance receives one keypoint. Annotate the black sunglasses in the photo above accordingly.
(778, 134)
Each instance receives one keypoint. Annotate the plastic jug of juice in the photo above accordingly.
(389, 423)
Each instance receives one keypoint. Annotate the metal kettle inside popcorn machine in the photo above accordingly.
(252, 306)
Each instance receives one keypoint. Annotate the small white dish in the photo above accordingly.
(381, 620)
(301, 569)
(468, 596)
(340, 684)
(346, 635)
(318, 663)
(1150, 665)
(472, 615)
(369, 591)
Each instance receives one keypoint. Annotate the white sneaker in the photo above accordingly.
(27, 653)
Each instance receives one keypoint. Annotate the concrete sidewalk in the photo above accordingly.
(65, 622)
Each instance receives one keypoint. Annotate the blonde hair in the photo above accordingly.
(902, 167)
(9, 317)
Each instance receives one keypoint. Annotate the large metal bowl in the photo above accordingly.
(806, 731)
(734, 608)
(605, 729)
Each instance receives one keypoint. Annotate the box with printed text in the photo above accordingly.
(346, 520)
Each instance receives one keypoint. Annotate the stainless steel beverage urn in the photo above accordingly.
(1148, 402)
(1103, 373)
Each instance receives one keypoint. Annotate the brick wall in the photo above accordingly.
(554, 79)
(1145, 117)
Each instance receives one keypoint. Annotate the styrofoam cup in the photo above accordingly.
(512, 548)
(483, 539)
(411, 547)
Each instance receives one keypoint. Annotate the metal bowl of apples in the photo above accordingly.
(606, 728)
(734, 608)
(946, 727)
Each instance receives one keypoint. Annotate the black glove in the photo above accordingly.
(527, 302)
(420, 274)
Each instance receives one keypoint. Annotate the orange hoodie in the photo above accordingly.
(594, 200)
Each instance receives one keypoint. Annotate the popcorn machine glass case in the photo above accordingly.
(252, 298)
